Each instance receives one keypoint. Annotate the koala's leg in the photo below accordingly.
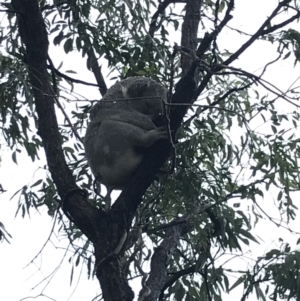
(133, 118)
(111, 150)
(150, 137)
(131, 134)
(115, 156)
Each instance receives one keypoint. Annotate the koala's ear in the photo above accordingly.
(124, 91)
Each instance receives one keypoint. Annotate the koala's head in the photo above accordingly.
(146, 96)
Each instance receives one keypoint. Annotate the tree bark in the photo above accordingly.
(189, 33)
(94, 223)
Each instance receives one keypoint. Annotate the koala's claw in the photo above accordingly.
(163, 131)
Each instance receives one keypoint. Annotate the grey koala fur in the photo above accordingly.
(121, 125)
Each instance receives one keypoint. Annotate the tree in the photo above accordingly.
(180, 220)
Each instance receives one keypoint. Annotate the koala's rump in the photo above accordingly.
(112, 152)
(118, 168)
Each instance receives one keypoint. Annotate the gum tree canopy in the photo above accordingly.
(233, 136)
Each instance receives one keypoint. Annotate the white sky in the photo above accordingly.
(16, 281)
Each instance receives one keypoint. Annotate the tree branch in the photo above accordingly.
(33, 32)
(282, 24)
(160, 10)
(174, 278)
(126, 205)
(189, 32)
(209, 38)
(260, 32)
(93, 65)
(160, 260)
(71, 79)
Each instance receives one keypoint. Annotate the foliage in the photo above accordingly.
(220, 155)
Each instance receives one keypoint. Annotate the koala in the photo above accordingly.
(124, 123)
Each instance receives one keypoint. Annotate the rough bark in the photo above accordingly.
(189, 33)
(160, 260)
(34, 35)
(95, 224)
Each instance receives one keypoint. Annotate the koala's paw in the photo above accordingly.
(161, 132)
(154, 135)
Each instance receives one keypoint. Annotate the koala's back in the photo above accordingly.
(132, 94)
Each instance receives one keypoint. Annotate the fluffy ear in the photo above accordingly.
(124, 91)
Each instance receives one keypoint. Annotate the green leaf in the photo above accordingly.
(38, 182)
(14, 157)
(238, 282)
(58, 38)
(68, 46)
(272, 253)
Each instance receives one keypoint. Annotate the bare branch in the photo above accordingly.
(71, 79)
(160, 10)
(209, 38)
(282, 24)
(260, 32)
(96, 69)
